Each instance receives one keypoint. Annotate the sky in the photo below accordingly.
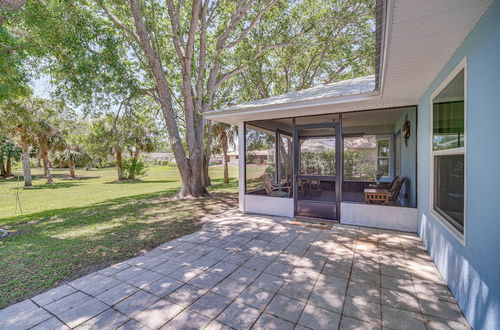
(41, 87)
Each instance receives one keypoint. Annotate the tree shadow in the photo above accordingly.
(56, 185)
(140, 181)
(61, 176)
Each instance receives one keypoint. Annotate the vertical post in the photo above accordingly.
(241, 166)
(339, 156)
(295, 165)
(277, 159)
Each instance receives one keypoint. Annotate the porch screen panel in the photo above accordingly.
(285, 163)
(360, 164)
(260, 158)
(360, 158)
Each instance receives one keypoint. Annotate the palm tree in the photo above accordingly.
(48, 139)
(223, 135)
(70, 156)
(142, 136)
(8, 152)
(108, 135)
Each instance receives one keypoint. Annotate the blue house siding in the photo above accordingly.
(408, 157)
(472, 270)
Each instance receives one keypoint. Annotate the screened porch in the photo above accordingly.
(323, 164)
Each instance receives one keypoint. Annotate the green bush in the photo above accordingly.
(171, 164)
(134, 168)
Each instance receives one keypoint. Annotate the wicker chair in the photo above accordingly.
(394, 190)
(383, 185)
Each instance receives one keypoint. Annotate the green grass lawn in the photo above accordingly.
(76, 226)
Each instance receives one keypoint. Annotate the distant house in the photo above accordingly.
(430, 115)
(159, 157)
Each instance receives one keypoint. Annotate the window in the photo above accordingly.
(383, 156)
(448, 152)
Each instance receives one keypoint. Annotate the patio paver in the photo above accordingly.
(248, 271)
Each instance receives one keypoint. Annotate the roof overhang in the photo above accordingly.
(415, 40)
(304, 108)
(420, 36)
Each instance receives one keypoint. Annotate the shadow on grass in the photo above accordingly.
(140, 181)
(55, 185)
(64, 176)
(50, 247)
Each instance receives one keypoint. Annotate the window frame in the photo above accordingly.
(278, 134)
(461, 237)
(390, 157)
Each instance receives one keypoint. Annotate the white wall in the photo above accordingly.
(379, 216)
(262, 204)
(241, 169)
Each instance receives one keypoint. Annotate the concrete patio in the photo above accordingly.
(258, 272)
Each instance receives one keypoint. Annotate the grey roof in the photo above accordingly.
(337, 89)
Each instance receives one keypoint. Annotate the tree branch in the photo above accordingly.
(241, 9)
(176, 35)
(252, 25)
(202, 56)
(195, 16)
(257, 55)
(118, 22)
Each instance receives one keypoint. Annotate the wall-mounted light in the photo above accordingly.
(406, 130)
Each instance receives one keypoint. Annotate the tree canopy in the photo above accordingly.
(187, 57)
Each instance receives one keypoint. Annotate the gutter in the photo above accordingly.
(295, 105)
(385, 13)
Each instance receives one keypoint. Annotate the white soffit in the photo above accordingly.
(424, 34)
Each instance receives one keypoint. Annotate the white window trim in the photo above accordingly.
(455, 151)
(389, 138)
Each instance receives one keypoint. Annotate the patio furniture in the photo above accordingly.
(312, 185)
(276, 190)
(383, 185)
(376, 196)
(384, 196)
(395, 189)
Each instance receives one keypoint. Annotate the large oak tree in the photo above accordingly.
(188, 56)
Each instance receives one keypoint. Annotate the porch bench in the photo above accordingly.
(376, 196)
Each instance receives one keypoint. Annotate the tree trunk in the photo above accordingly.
(72, 169)
(119, 165)
(3, 172)
(190, 169)
(224, 155)
(206, 155)
(25, 157)
(46, 163)
(137, 153)
(8, 165)
(206, 175)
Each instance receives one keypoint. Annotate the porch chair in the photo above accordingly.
(276, 190)
(394, 190)
(313, 184)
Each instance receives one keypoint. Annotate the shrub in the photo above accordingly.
(134, 168)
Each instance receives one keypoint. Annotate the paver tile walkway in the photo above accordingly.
(246, 271)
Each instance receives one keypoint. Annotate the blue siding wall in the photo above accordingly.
(472, 271)
(409, 157)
